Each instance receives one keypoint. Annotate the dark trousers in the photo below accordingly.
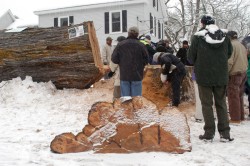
(176, 80)
(247, 90)
(207, 93)
(235, 92)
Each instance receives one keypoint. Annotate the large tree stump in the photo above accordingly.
(130, 126)
(48, 54)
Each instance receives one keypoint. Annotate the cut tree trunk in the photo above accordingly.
(48, 54)
(158, 93)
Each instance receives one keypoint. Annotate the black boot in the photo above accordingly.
(206, 137)
(225, 138)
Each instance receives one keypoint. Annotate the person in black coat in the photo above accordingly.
(182, 53)
(131, 56)
(173, 71)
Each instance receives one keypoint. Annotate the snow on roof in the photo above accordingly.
(21, 23)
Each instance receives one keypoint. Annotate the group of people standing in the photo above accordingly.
(132, 54)
(220, 64)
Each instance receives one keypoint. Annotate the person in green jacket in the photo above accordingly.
(246, 43)
(209, 51)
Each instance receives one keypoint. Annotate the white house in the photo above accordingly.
(6, 19)
(111, 18)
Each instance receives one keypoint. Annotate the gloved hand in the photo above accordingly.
(172, 67)
(163, 78)
(110, 74)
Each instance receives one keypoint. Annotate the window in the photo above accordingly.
(115, 21)
(64, 21)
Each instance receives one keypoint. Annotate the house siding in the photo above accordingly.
(137, 15)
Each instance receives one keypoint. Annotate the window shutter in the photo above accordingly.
(157, 5)
(106, 22)
(155, 25)
(159, 29)
(162, 31)
(56, 22)
(71, 20)
(151, 23)
(124, 21)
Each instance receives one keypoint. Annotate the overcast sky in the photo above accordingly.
(24, 8)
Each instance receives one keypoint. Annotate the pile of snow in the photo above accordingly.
(32, 114)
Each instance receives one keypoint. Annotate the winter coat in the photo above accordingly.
(106, 54)
(115, 68)
(166, 60)
(238, 61)
(150, 49)
(248, 72)
(182, 54)
(210, 56)
(131, 56)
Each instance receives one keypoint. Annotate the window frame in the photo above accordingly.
(110, 21)
(59, 20)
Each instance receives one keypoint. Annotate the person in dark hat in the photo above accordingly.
(164, 46)
(207, 20)
(151, 51)
(131, 56)
(209, 51)
(237, 67)
(182, 53)
(148, 37)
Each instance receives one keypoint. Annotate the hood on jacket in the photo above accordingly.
(213, 35)
(156, 56)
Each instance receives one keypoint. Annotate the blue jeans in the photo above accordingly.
(131, 88)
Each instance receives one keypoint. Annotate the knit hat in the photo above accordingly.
(156, 56)
(207, 20)
(232, 34)
(148, 37)
(185, 42)
(120, 38)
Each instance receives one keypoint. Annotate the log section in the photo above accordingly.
(48, 54)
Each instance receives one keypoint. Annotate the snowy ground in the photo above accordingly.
(32, 114)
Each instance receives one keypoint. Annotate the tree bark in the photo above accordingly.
(48, 54)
